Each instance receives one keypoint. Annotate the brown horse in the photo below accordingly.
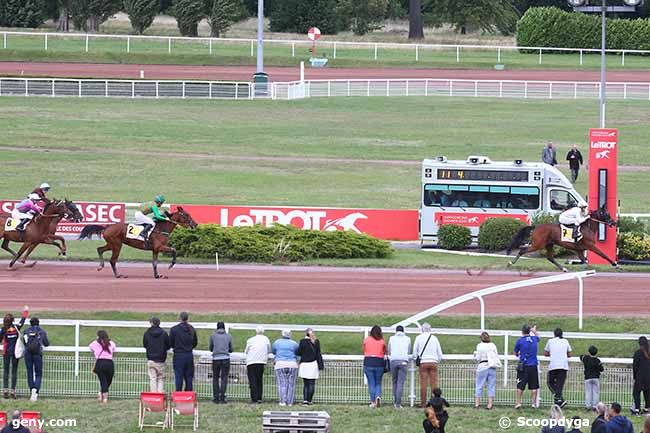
(37, 232)
(548, 235)
(115, 237)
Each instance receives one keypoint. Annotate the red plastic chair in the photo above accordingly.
(3, 419)
(153, 402)
(184, 403)
(32, 421)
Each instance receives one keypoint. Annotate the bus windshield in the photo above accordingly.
(482, 196)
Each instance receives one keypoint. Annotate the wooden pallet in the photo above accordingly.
(295, 422)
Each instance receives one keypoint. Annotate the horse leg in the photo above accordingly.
(20, 252)
(581, 256)
(23, 260)
(550, 256)
(598, 251)
(100, 252)
(154, 264)
(525, 250)
(116, 248)
(62, 247)
(5, 246)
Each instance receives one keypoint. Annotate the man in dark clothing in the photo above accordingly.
(183, 339)
(641, 374)
(8, 337)
(15, 426)
(156, 341)
(35, 340)
(221, 348)
(549, 154)
(618, 423)
(575, 161)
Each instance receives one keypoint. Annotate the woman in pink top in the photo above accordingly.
(103, 349)
(374, 352)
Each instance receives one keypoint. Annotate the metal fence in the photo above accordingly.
(82, 42)
(342, 381)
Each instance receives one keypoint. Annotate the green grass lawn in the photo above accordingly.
(280, 153)
(156, 51)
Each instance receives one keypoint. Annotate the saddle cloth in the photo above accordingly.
(134, 231)
(567, 234)
(11, 224)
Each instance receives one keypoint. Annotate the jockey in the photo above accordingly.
(575, 217)
(42, 191)
(147, 208)
(25, 211)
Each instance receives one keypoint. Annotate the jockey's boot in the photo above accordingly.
(145, 234)
(576, 232)
(21, 227)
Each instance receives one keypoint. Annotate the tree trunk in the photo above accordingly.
(93, 24)
(63, 23)
(415, 20)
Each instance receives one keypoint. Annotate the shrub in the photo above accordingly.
(188, 13)
(297, 16)
(634, 246)
(141, 13)
(631, 225)
(454, 237)
(277, 243)
(22, 13)
(544, 218)
(495, 233)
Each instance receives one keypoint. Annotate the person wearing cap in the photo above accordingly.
(42, 191)
(286, 367)
(150, 208)
(574, 218)
(26, 210)
(399, 349)
(156, 341)
(221, 348)
(257, 355)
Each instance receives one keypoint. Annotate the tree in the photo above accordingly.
(297, 16)
(87, 15)
(222, 14)
(415, 20)
(63, 21)
(188, 13)
(486, 15)
(141, 13)
(362, 16)
(22, 13)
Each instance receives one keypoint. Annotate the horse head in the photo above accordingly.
(55, 207)
(183, 218)
(73, 213)
(602, 215)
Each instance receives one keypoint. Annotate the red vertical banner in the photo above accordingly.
(603, 170)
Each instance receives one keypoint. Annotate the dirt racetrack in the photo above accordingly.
(266, 289)
(245, 73)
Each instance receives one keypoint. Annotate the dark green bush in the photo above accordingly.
(454, 237)
(553, 27)
(496, 233)
(631, 225)
(634, 246)
(278, 243)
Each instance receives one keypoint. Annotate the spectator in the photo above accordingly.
(527, 373)
(257, 355)
(427, 353)
(311, 362)
(183, 340)
(221, 348)
(430, 423)
(487, 356)
(438, 403)
(600, 423)
(286, 367)
(35, 340)
(641, 373)
(559, 349)
(617, 423)
(156, 342)
(399, 350)
(575, 161)
(556, 418)
(549, 155)
(593, 368)
(14, 425)
(8, 337)
(576, 422)
(374, 353)
(103, 349)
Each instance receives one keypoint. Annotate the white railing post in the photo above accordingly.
(407, 87)
(87, 42)
(525, 89)
(648, 92)
(183, 89)
(334, 54)
(476, 89)
(210, 46)
(106, 88)
(412, 370)
(236, 91)
(45, 41)
(505, 360)
(169, 45)
(4, 43)
(417, 53)
(26, 87)
(132, 89)
(580, 299)
(252, 48)
(376, 51)
(293, 49)
(623, 58)
(348, 88)
(624, 90)
(540, 56)
(500, 89)
(575, 90)
(368, 92)
(451, 88)
(387, 87)
(426, 87)
(128, 44)
(329, 89)
(580, 57)
(157, 89)
(457, 53)
(0, 86)
(76, 346)
(499, 55)
(53, 87)
(80, 88)
(482, 304)
(550, 90)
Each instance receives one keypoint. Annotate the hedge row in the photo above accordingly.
(278, 243)
(634, 239)
(553, 27)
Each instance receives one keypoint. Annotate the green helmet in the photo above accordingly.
(159, 198)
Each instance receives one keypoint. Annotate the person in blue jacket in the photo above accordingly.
(617, 423)
(286, 367)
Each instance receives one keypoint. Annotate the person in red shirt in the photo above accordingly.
(374, 352)
(9, 334)
(42, 191)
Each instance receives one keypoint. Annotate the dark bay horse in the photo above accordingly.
(545, 236)
(115, 237)
(36, 232)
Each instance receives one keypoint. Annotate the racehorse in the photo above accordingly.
(36, 232)
(548, 235)
(115, 237)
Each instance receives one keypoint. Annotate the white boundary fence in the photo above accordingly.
(374, 49)
(64, 87)
(68, 368)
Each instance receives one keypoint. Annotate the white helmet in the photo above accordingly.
(34, 197)
(45, 185)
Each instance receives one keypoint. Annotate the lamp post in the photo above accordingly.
(582, 6)
(260, 36)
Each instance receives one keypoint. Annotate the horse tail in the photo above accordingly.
(519, 238)
(90, 230)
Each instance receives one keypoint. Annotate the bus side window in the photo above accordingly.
(562, 200)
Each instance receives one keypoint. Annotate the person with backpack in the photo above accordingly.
(9, 336)
(35, 339)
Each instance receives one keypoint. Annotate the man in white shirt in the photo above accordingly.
(427, 349)
(399, 349)
(257, 355)
(559, 350)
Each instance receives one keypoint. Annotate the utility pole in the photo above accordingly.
(260, 36)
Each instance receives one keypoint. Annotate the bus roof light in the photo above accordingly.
(519, 161)
(441, 158)
(472, 159)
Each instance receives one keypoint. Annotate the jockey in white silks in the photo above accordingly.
(574, 217)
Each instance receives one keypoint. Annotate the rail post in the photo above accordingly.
(499, 55)
(252, 49)
(387, 87)
(580, 300)
(128, 44)
(624, 90)
(482, 303)
(4, 43)
(293, 49)
(475, 89)
(183, 89)
(505, 360)
(132, 89)
(210, 46)
(580, 57)
(550, 90)
(348, 88)
(334, 54)
(375, 51)
(87, 37)
(45, 41)
(500, 89)
(236, 97)
(623, 58)
(169, 45)
(451, 88)
(540, 56)
(53, 87)
(457, 53)
(76, 348)
(417, 53)
(157, 89)
(525, 89)
(412, 384)
(27, 87)
(106, 88)
(407, 87)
